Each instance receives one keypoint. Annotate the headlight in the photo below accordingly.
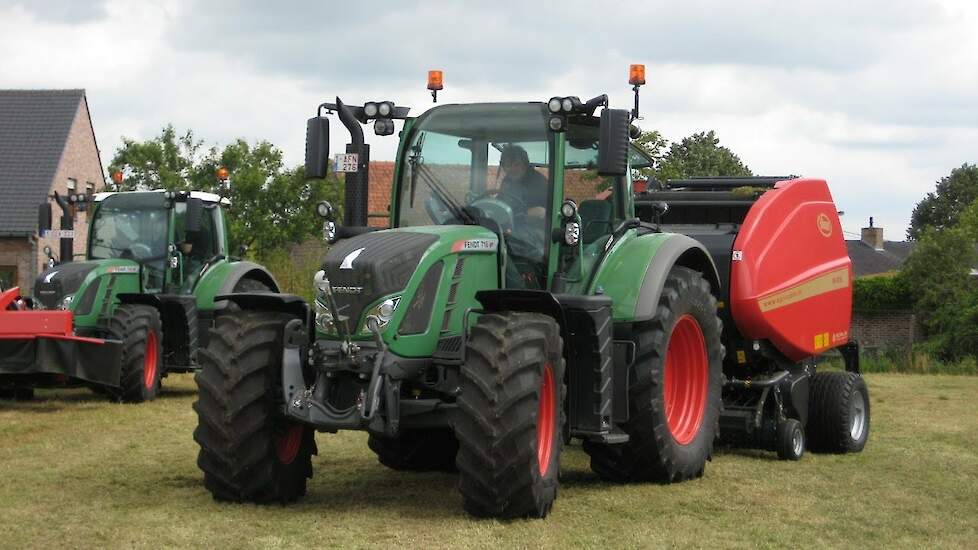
(385, 108)
(383, 311)
(66, 301)
(572, 233)
(370, 109)
(554, 105)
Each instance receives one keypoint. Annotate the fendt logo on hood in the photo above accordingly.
(347, 262)
(49, 276)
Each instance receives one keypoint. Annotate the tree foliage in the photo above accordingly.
(271, 205)
(697, 155)
(881, 293)
(941, 208)
(944, 291)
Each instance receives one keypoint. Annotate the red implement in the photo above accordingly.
(790, 274)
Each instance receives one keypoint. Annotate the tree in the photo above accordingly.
(271, 206)
(697, 155)
(942, 207)
(945, 293)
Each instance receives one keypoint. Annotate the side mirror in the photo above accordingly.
(195, 208)
(43, 218)
(317, 147)
(613, 147)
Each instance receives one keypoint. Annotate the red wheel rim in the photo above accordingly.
(287, 444)
(150, 359)
(686, 380)
(545, 420)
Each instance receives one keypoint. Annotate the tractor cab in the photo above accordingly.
(172, 236)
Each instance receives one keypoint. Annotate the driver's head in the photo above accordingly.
(514, 161)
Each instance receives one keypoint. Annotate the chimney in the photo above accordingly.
(873, 236)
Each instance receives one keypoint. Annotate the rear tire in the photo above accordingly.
(790, 440)
(838, 413)
(417, 450)
(17, 394)
(141, 332)
(510, 416)
(671, 430)
(248, 451)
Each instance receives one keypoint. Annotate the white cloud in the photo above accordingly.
(876, 97)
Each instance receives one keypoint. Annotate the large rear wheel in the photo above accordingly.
(511, 415)
(838, 413)
(248, 451)
(141, 332)
(674, 394)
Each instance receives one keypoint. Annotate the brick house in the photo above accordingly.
(47, 145)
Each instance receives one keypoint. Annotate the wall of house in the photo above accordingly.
(883, 330)
(16, 253)
(80, 161)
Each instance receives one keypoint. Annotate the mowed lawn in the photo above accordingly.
(76, 471)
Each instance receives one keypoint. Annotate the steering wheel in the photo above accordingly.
(517, 202)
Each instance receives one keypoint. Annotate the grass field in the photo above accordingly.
(79, 472)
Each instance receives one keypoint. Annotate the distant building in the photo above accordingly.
(47, 145)
(872, 254)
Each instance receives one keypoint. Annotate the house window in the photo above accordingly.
(8, 276)
(72, 184)
(89, 187)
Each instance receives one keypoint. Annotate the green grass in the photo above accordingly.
(79, 472)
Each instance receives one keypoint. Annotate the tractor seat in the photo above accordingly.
(595, 220)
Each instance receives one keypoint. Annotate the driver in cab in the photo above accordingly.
(523, 182)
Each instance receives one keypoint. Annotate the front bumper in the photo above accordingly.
(359, 387)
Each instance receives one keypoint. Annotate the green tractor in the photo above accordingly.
(515, 304)
(140, 302)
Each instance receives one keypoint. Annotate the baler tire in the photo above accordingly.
(510, 416)
(838, 407)
(790, 440)
(653, 452)
(248, 452)
(141, 332)
(420, 450)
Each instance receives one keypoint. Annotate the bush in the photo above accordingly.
(921, 360)
(881, 293)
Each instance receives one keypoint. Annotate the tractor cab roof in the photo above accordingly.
(204, 196)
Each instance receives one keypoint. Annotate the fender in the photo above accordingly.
(221, 277)
(634, 271)
(243, 270)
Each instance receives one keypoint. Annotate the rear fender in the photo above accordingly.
(634, 272)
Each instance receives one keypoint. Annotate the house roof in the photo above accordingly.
(868, 261)
(34, 128)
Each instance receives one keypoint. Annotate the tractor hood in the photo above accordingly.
(55, 283)
(421, 270)
(366, 267)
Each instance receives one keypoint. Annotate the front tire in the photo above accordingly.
(674, 392)
(510, 417)
(141, 332)
(838, 413)
(248, 451)
(790, 439)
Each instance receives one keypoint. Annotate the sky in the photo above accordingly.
(880, 98)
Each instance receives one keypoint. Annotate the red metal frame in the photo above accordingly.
(18, 324)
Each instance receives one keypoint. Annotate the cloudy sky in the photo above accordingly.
(878, 97)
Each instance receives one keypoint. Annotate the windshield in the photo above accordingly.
(131, 226)
(482, 164)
